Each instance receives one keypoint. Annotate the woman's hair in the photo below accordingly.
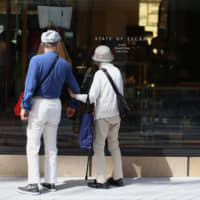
(49, 44)
(97, 63)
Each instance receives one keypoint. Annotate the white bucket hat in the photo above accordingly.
(50, 36)
(102, 54)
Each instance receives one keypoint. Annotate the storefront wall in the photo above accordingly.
(75, 166)
(154, 43)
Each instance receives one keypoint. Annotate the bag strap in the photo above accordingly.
(88, 98)
(87, 104)
(111, 81)
(38, 87)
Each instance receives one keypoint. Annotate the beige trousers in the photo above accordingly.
(107, 128)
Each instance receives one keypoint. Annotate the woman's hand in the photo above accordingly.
(70, 112)
(71, 93)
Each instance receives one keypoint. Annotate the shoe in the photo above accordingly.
(50, 187)
(98, 185)
(118, 182)
(30, 189)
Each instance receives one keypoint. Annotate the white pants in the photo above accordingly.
(107, 128)
(43, 119)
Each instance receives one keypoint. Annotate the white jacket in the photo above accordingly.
(102, 94)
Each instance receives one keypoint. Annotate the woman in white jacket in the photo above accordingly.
(107, 119)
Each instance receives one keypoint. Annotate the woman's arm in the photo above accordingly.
(80, 97)
(93, 92)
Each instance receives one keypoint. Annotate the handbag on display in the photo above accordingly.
(123, 107)
(17, 107)
(85, 136)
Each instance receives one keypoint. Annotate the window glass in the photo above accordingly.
(155, 45)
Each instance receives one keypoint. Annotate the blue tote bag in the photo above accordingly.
(85, 137)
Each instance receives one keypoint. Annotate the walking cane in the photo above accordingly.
(89, 164)
(89, 161)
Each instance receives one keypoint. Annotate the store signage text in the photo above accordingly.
(119, 38)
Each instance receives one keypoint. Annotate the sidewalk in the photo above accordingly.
(176, 188)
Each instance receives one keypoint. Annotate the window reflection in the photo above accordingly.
(154, 43)
(149, 15)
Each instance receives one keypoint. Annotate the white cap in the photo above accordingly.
(50, 36)
(102, 54)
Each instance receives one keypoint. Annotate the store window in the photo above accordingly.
(154, 43)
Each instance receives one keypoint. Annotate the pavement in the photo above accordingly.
(154, 188)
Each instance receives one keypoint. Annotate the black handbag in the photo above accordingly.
(124, 108)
